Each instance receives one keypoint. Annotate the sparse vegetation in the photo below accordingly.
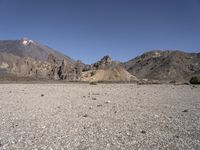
(195, 80)
(93, 83)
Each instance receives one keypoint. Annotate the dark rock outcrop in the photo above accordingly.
(105, 61)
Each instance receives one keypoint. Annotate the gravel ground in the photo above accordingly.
(99, 117)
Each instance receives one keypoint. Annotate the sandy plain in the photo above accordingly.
(99, 117)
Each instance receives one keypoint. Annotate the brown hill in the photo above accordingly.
(165, 65)
(107, 70)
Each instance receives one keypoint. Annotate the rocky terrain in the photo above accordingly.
(28, 59)
(165, 65)
(107, 70)
(102, 116)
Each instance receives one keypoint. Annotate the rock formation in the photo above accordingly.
(107, 70)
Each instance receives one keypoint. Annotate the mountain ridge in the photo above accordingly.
(29, 58)
(164, 65)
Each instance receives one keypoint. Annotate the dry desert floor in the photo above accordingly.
(99, 117)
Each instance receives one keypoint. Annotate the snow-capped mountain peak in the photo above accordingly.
(26, 41)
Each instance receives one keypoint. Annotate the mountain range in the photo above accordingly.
(30, 60)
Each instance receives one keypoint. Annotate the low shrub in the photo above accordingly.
(195, 80)
(93, 83)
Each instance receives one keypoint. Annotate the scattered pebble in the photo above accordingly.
(143, 132)
(87, 120)
(176, 136)
(85, 115)
(186, 110)
(107, 102)
(94, 98)
(43, 127)
(42, 95)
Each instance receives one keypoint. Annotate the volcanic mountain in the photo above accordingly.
(29, 48)
(164, 65)
(28, 58)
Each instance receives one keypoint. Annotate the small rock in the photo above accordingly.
(43, 127)
(42, 95)
(94, 98)
(85, 115)
(143, 132)
(176, 136)
(194, 86)
(99, 105)
(186, 110)
(107, 102)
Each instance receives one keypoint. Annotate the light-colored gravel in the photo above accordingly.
(103, 116)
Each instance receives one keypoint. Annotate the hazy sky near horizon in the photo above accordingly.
(89, 29)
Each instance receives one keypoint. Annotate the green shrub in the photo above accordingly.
(195, 80)
(93, 83)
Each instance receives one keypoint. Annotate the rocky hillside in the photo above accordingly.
(30, 59)
(107, 70)
(164, 65)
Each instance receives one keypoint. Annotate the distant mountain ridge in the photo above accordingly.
(25, 58)
(164, 65)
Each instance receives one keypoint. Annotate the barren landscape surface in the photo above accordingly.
(99, 117)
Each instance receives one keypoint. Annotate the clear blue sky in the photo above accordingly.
(90, 29)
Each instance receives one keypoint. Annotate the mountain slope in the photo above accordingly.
(165, 65)
(30, 59)
(32, 49)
